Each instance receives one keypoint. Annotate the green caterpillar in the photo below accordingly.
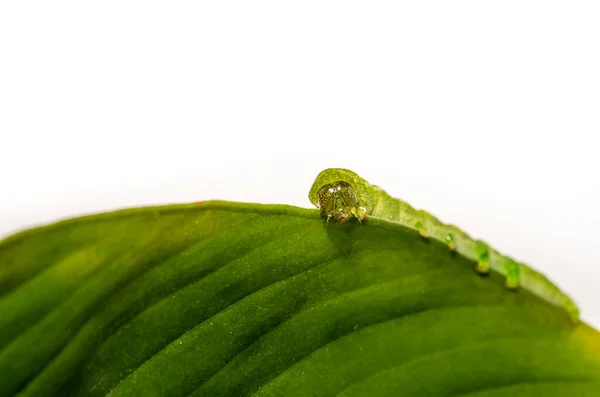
(341, 194)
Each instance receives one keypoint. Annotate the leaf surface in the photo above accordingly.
(233, 299)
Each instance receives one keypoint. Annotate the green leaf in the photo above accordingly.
(231, 299)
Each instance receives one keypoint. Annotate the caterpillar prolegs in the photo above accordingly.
(341, 194)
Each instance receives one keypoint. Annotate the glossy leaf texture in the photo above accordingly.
(233, 299)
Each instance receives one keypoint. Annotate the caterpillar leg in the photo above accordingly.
(420, 225)
(512, 273)
(450, 241)
(359, 212)
(482, 252)
(421, 230)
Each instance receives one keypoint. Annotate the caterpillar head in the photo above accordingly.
(337, 200)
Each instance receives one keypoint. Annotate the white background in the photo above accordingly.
(487, 114)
